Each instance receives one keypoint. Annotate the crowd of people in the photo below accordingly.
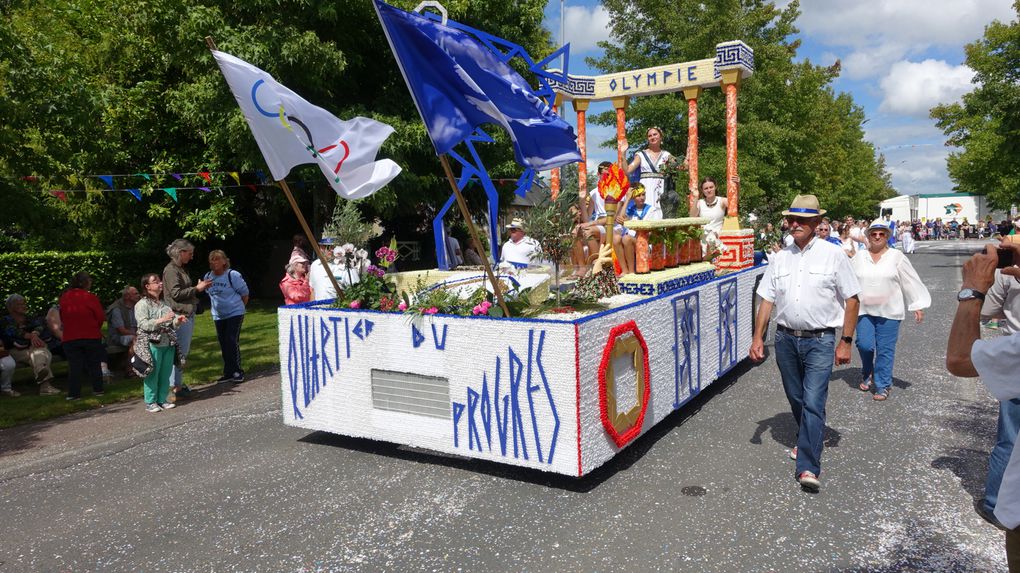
(152, 325)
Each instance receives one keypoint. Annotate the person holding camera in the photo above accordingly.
(155, 342)
(889, 287)
(182, 298)
(994, 360)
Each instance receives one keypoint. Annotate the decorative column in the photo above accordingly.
(730, 81)
(691, 95)
(554, 177)
(581, 107)
(620, 103)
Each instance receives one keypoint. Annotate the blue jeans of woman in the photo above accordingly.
(228, 332)
(876, 342)
(184, 334)
(806, 365)
(1005, 439)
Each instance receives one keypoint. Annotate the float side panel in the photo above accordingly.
(693, 337)
(511, 384)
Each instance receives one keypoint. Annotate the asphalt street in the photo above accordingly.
(220, 484)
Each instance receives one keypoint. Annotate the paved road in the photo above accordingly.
(221, 485)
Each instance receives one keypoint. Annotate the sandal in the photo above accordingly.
(864, 386)
(881, 395)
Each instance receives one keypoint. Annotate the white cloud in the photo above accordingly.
(880, 32)
(920, 169)
(585, 28)
(913, 88)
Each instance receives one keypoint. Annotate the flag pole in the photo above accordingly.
(312, 242)
(474, 233)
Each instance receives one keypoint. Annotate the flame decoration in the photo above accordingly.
(613, 184)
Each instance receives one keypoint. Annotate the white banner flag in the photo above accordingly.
(290, 131)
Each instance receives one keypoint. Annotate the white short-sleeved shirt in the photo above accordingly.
(598, 205)
(1003, 300)
(520, 253)
(995, 360)
(319, 281)
(809, 288)
(888, 284)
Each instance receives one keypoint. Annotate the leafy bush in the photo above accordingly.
(42, 277)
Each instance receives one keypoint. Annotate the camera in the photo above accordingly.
(1005, 258)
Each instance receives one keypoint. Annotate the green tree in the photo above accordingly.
(985, 124)
(796, 135)
(112, 86)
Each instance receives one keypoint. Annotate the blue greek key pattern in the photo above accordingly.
(730, 55)
(679, 283)
(577, 87)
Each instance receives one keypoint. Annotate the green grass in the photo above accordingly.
(259, 353)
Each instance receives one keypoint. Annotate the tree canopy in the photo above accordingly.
(985, 124)
(796, 134)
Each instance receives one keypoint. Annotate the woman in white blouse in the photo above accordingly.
(889, 287)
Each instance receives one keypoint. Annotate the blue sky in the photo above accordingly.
(899, 58)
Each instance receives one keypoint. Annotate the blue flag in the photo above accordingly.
(458, 84)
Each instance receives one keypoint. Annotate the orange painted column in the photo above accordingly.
(620, 103)
(691, 94)
(581, 107)
(554, 177)
(730, 81)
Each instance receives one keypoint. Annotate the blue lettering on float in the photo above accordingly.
(652, 78)
(637, 80)
(691, 75)
(665, 75)
(509, 415)
(612, 84)
(624, 84)
(313, 357)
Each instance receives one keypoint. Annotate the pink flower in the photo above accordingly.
(355, 304)
(477, 309)
(432, 310)
(402, 306)
(390, 257)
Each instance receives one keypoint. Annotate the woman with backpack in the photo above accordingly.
(228, 295)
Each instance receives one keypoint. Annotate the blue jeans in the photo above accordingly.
(1009, 426)
(184, 334)
(228, 333)
(876, 341)
(806, 365)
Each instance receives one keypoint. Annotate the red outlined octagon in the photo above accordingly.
(624, 427)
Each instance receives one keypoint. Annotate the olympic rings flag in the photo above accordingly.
(290, 132)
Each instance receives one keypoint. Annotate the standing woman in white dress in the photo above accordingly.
(710, 206)
(650, 161)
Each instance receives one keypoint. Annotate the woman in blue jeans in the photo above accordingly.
(228, 295)
(889, 288)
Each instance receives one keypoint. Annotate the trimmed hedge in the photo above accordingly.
(42, 277)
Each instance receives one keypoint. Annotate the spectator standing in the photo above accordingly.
(25, 338)
(1002, 301)
(156, 342)
(889, 287)
(294, 284)
(228, 294)
(301, 250)
(814, 291)
(182, 298)
(82, 317)
(825, 233)
(994, 360)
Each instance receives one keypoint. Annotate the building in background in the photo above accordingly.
(945, 206)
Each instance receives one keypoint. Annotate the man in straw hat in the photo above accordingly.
(814, 290)
(520, 249)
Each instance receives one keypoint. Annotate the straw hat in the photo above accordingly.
(881, 225)
(516, 224)
(804, 206)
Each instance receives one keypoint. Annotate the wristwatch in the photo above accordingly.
(970, 294)
(847, 339)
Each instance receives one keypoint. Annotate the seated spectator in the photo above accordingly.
(7, 366)
(294, 285)
(56, 328)
(120, 317)
(25, 338)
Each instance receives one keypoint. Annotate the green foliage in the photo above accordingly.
(124, 87)
(986, 123)
(42, 277)
(348, 225)
(550, 223)
(796, 135)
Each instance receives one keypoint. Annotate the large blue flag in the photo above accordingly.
(458, 84)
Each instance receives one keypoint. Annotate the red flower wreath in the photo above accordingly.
(622, 439)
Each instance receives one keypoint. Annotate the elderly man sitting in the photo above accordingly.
(25, 338)
(120, 316)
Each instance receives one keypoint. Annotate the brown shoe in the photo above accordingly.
(47, 389)
(10, 392)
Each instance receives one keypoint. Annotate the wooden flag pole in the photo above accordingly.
(474, 233)
(311, 238)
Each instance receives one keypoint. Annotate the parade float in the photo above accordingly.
(558, 391)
